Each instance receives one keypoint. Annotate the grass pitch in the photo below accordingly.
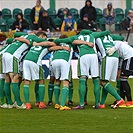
(50, 120)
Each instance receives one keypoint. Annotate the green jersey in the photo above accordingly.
(36, 53)
(104, 43)
(62, 54)
(17, 48)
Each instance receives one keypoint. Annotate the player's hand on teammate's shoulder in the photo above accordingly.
(67, 48)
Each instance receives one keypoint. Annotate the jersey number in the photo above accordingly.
(84, 38)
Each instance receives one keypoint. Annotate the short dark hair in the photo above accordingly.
(41, 33)
(63, 36)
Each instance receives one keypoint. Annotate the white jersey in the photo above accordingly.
(125, 51)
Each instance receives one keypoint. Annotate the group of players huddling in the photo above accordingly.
(100, 54)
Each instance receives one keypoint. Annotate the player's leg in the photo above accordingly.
(2, 95)
(57, 93)
(109, 72)
(7, 90)
(15, 88)
(83, 72)
(36, 88)
(85, 98)
(70, 94)
(95, 78)
(51, 90)
(56, 71)
(27, 93)
(127, 70)
(41, 93)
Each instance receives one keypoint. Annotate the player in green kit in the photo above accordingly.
(108, 69)
(3, 104)
(70, 40)
(11, 64)
(32, 69)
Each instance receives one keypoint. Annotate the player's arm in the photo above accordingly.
(101, 48)
(115, 48)
(117, 37)
(21, 39)
(54, 48)
(100, 34)
(44, 44)
(79, 42)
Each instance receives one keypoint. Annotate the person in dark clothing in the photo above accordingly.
(90, 10)
(86, 24)
(36, 13)
(129, 20)
(45, 22)
(63, 14)
(20, 24)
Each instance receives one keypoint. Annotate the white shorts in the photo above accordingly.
(10, 63)
(61, 69)
(32, 71)
(88, 62)
(109, 68)
(51, 73)
(2, 76)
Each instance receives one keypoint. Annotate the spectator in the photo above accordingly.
(86, 23)
(129, 20)
(20, 24)
(63, 14)
(90, 10)
(109, 14)
(69, 24)
(45, 22)
(36, 13)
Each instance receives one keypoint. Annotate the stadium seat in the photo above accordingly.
(102, 23)
(74, 11)
(78, 21)
(60, 12)
(119, 13)
(3, 26)
(10, 22)
(99, 14)
(27, 12)
(52, 13)
(6, 14)
(118, 25)
(57, 22)
(16, 11)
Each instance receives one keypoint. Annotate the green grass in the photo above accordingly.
(73, 121)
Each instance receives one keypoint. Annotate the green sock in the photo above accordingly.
(57, 93)
(2, 101)
(108, 87)
(85, 98)
(7, 91)
(50, 91)
(26, 93)
(41, 92)
(70, 94)
(82, 89)
(36, 92)
(104, 96)
(118, 86)
(96, 90)
(19, 90)
(16, 92)
(64, 93)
